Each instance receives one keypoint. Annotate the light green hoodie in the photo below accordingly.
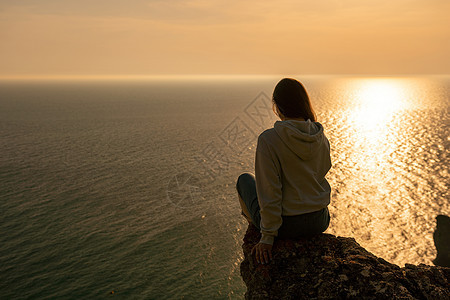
(292, 160)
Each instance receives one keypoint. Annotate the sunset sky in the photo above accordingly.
(159, 37)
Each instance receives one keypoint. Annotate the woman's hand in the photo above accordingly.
(262, 252)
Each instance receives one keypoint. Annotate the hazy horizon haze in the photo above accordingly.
(140, 38)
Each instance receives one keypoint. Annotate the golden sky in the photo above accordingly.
(155, 37)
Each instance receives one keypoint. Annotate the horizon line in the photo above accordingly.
(201, 76)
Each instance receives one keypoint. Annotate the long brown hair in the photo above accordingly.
(292, 100)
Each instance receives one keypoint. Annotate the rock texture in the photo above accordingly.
(442, 241)
(330, 267)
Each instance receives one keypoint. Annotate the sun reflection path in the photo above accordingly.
(375, 104)
(377, 100)
(389, 159)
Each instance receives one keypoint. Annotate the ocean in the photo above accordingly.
(126, 188)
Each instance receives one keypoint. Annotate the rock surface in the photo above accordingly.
(330, 267)
(442, 241)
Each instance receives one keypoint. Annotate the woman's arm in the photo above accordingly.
(268, 187)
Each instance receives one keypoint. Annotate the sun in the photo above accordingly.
(376, 101)
(375, 105)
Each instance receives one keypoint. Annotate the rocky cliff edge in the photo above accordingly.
(330, 267)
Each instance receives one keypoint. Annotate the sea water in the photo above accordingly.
(126, 188)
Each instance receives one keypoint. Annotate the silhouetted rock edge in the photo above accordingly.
(329, 267)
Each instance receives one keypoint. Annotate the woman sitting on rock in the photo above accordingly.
(289, 196)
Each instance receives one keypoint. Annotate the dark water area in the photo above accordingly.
(128, 186)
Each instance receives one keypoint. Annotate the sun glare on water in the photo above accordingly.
(376, 105)
(374, 115)
(377, 100)
(388, 156)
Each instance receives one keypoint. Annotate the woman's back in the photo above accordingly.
(288, 195)
(299, 153)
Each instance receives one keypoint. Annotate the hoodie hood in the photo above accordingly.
(304, 138)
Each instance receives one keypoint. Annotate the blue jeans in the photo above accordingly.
(292, 226)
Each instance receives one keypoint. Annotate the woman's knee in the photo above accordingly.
(243, 180)
(245, 177)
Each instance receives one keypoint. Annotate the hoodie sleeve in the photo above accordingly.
(268, 188)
